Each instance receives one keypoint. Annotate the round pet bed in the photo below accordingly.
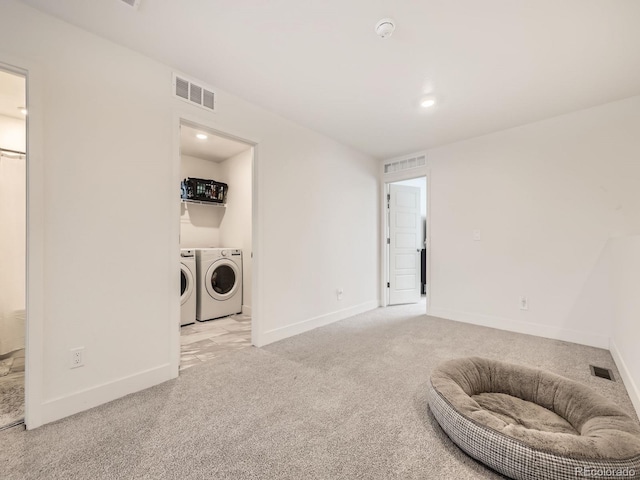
(530, 424)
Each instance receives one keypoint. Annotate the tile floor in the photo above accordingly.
(11, 388)
(204, 341)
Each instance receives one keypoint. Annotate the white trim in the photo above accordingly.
(528, 328)
(384, 254)
(64, 406)
(255, 256)
(385, 179)
(632, 388)
(173, 210)
(297, 328)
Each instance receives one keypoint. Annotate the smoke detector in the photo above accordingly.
(385, 27)
(133, 3)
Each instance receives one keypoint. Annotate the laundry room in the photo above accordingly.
(215, 244)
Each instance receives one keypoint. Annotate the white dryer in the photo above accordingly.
(187, 286)
(219, 273)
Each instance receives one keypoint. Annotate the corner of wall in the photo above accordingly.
(527, 328)
(276, 334)
(625, 329)
(632, 388)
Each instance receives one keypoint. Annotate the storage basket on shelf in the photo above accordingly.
(203, 190)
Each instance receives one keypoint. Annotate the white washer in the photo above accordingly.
(219, 273)
(187, 286)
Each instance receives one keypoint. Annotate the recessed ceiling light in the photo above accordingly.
(427, 102)
(22, 110)
(201, 136)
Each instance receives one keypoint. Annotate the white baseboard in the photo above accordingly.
(528, 328)
(297, 328)
(246, 310)
(632, 388)
(61, 407)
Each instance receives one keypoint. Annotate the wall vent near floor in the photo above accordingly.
(405, 164)
(132, 3)
(601, 372)
(193, 92)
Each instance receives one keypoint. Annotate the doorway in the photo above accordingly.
(216, 218)
(406, 241)
(13, 203)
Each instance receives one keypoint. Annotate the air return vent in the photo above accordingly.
(405, 164)
(193, 92)
(601, 372)
(132, 3)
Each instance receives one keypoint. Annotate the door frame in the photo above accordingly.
(208, 124)
(386, 179)
(35, 236)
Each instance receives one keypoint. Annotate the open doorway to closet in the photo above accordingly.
(406, 241)
(215, 242)
(13, 170)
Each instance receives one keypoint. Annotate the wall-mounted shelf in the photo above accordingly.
(202, 202)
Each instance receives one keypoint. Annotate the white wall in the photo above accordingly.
(111, 216)
(12, 134)
(320, 209)
(200, 224)
(626, 327)
(235, 229)
(558, 208)
(546, 197)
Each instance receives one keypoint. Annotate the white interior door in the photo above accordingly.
(404, 244)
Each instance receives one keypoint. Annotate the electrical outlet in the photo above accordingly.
(476, 235)
(77, 357)
(524, 303)
(339, 293)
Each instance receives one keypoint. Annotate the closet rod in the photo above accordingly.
(11, 151)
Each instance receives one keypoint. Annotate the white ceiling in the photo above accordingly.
(214, 147)
(12, 95)
(492, 64)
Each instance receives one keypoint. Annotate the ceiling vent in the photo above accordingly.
(405, 164)
(132, 3)
(193, 92)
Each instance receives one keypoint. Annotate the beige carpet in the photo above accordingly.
(344, 401)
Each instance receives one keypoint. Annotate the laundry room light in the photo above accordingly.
(201, 136)
(427, 102)
(22, 110)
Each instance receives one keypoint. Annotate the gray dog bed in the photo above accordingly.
(531, 424)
